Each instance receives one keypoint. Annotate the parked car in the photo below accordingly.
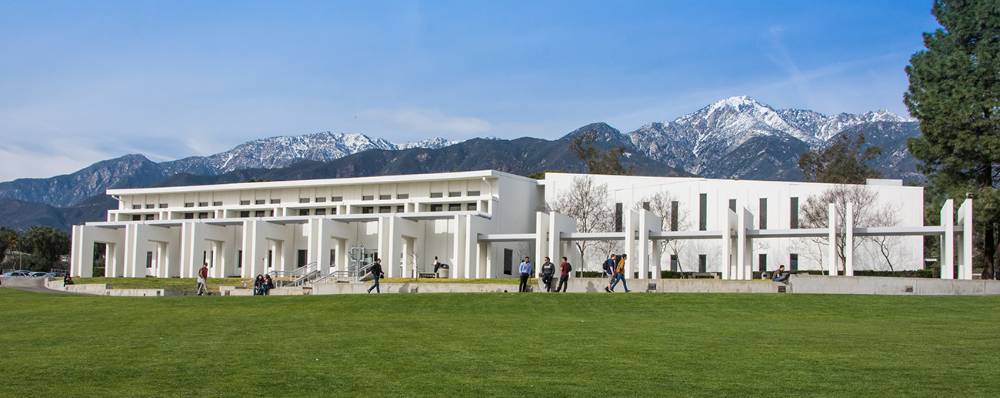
(38, 274)
(17, 273)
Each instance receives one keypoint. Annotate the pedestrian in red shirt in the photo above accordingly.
(564, 269)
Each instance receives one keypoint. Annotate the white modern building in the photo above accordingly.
(481, 223)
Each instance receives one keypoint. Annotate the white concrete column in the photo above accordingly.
(948, 240)
(558, 224)
(630, 226)
(849, 240)
(743, 271)
(965, 240)
(541, 242)
(727, 247)
(831, 255)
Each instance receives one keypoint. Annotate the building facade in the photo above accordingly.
(480, 223)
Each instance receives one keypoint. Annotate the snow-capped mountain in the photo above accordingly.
(281, 151)
(736, 137)
(700, 142)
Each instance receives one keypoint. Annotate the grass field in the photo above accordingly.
(499, 345)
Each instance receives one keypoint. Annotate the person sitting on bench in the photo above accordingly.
(780, 275)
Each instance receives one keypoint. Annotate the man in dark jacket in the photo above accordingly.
(548, 270)
(609, 270)
(376, 275)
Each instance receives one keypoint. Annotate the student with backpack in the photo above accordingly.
(609, 271)
(376, 275)
(619, 274)
(564, 269)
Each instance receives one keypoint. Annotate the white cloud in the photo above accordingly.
(432, 122)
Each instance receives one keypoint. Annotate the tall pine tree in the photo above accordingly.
(955, 94)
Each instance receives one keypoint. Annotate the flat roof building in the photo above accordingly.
(481, 223)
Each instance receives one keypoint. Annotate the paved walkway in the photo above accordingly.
(36, 285)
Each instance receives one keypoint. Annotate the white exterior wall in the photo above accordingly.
(630, 191)
(504, 204)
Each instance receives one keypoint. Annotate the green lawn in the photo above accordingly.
(461, 345)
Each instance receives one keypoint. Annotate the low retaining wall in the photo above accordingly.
(891, 286)
(101, 289)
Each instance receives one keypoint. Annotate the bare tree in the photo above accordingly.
(587, 202)
(867, 213)
(661, 205)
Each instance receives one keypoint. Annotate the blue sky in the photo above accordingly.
(85, 81)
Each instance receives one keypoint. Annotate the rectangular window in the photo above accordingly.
(732, 205)
(436, 207)
(762, 262)
(454, 207)
(303, 212)
(239, 259)
(303, 257)
(618, 217)
(673, 215)
(702, 263)
(188, 204)
(245, 214)
(244, 203)
(188, 216)
(333, 257)
(333, 210)
(794, 213)
(368, 197)
(402, 196)
(258, 201)
(793, 262)
(217, 203)
(762, 214)
(150, 206)
(320, 199)
(674, 263)
(136, 217)
(149, 259)
(367, 210)
(399, 209)
(385, 209)
(150, 217)
(384, 197)
(163, 205)
(470, 206)
(508, 261)
(270, 258)
(645, 206)
(320, 212)
(203, 215)
(703, 212)
(336, 198)
(472, 193)
(136, 207)
(303, 200)
(258, 213)
(454, 194)
(435, 194)
(202, 204)
(275, 201)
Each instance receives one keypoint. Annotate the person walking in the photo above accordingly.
(564, 269)
(376, 275)
(525, 270)
(620, 274)
(548, 271)
(202, 287)
(609, 270)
